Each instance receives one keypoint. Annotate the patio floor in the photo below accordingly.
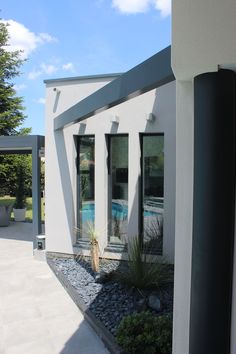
(37, 316)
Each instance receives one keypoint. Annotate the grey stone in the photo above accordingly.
(141, 304)
(154, 302)
(109, 301)
(102, 277)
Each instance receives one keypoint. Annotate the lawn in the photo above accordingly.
(11, 200)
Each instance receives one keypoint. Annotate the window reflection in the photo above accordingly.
(153, 191)
(118, 199)
(86, 165)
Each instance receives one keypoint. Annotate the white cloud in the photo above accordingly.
(131, 6)
(48, 68)
(68, 67)
(140, 6)
(34, 74)
(40, 100)
(46, 38)
(19, 87)
(21, 38)
(164, 6)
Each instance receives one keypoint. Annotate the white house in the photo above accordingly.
(114, 171)
(199, 194)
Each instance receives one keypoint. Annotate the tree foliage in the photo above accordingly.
(20, 202)
(11, 116)
(9, 167)
(11, 106)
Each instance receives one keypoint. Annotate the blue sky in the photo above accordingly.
(80, 37)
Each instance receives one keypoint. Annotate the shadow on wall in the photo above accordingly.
(82, 127)
(65, 180)
(58, 92)
(114, 128)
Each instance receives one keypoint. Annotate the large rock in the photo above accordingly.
(154, 302)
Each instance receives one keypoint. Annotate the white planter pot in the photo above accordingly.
(19, 214)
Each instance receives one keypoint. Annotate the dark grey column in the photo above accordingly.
(213, 212)
(36, 192)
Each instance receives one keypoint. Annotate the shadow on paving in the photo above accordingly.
(36, 314)
(79, 343)
(21, 231)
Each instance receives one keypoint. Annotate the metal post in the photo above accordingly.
(36, 191)
(213, 212)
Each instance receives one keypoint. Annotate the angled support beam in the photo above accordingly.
(152, 73)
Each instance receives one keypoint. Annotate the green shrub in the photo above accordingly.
(145, 333)
(143, 270)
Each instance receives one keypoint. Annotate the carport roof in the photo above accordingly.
(20, 143)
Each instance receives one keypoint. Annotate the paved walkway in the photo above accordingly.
(36, 314)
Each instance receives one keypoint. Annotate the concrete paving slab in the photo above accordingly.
(37, 316)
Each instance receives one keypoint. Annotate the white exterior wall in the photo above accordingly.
(60, 162)
(203, 39)
(203, 36)
(184, 213)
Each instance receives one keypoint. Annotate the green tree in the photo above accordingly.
(9, 166)
(20, 202)
(11, 106)
(8, 170)
(11, 115)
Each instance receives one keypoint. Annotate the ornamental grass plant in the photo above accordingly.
(144, 270)
(93, 236)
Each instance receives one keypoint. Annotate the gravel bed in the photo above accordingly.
(109, 301)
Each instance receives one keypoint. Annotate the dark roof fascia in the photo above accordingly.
(27, 142)
(18, 151)
(152, 73)
(82, 78)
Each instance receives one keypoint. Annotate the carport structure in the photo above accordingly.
(28, 144)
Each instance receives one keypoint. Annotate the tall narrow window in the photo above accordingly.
(118, 194)
(153, 191)
(85, 182)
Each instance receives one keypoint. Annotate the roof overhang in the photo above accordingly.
(152, 73)
(20, 144)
